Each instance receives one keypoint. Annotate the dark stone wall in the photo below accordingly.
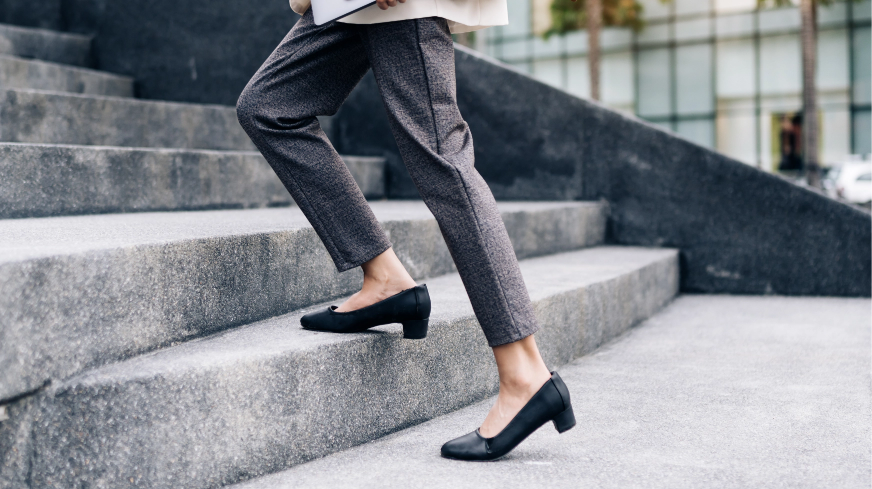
(740, 230)
(194, 51)
(45, 14)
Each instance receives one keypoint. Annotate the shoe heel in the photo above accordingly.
(415, 330)
(565, 420)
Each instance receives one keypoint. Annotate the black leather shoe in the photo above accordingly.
(410, 307)
(551, 403)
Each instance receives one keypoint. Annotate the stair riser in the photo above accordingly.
(67, 180)
(263, 413)
(114, 304)
(68, 49)
(37, 75)
(54, 118)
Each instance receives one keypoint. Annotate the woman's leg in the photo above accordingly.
(311, 73)
(522, 373)
(413, 63)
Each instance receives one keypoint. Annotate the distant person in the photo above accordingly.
(411, 53)
(791, 143)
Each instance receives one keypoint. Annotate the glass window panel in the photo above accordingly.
(832, 100)
(835, 136)
(688, 7)
(576, 42)
(693, 73)
(780, 65)
(485, 36)
(523, 66)
(617, 79)
(736, 71)
(653, 33)
(863, 10)
(832, 14)
(614, 38)
(725, 6)
(519, 18)
(862, 68)
(693, 29)
(699, 131)
(663, 124)
(578, 77)
(782, 103)
(734, 25)
(655, 9)
(513, 50)
(549, 71)
(551, 47)
(832, 52)
(862, 132)
(779, 19)
(736, 136)
(655, 90)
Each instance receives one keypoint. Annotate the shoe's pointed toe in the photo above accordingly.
(310, 321)
(470, 446)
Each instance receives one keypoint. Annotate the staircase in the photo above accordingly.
(153, 272)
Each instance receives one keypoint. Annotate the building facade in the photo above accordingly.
(718, 72)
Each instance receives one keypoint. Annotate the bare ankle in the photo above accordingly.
(386, 272)
(524, 384)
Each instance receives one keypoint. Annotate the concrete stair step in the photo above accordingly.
(268, 396)
(82, 291)
(55, 180)
(57, 47)
(718, 387)
(45, 117)
(23, 73)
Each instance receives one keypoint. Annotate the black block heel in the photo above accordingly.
(564, 421)
(550, 403)
(415, 330)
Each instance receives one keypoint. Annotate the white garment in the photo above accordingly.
(462, 15)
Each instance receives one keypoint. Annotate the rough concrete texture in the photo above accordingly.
(45, 14)
(715, 392)
(82, 291)
(34, 116)
(18, 72)
(57, 47)
(54, 180)
(270, 395)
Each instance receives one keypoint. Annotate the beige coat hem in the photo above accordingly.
(462, 15)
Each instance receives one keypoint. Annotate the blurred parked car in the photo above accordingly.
(828, 179)
(853, 182)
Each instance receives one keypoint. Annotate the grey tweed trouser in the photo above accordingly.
(311, 73)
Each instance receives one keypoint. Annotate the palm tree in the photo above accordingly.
(594, 26)
(808, 40)
(569, 15)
